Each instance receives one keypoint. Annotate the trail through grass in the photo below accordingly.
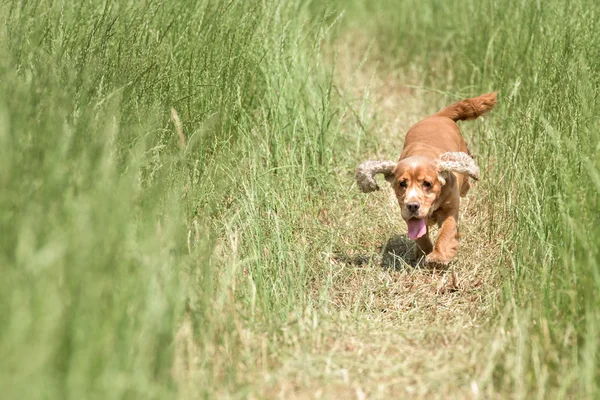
(390, 329)
(378, 326)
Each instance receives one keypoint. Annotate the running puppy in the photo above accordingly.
(431, 175)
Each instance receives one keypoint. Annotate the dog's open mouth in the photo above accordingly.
(416, 227)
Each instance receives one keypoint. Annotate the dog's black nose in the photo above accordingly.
(413, 207)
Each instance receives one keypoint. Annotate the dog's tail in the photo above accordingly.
(469, 108)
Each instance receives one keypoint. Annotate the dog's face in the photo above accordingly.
(417, 184)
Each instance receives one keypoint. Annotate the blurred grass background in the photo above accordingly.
(115, 234)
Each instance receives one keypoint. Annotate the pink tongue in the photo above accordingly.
(416, 228)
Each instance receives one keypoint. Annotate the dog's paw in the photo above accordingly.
(436, 259)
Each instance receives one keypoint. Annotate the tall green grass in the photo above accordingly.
(114, 231)
(113, 228)
(541, 157)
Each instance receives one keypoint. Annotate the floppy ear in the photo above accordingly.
(458, 162)
(366, 172)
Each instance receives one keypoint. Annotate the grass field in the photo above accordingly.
(178, 216)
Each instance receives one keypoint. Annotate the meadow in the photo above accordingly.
(179, 219)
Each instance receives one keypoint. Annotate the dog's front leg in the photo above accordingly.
(446, 245)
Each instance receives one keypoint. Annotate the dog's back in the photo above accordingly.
(439, 133)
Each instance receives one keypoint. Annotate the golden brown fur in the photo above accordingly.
(417, 178)
(432, 174)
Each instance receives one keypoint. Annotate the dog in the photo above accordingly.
(431, 175)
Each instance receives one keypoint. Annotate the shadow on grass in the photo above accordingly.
(397, 253)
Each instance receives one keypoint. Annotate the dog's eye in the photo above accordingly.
(427, 184)
(403, 184)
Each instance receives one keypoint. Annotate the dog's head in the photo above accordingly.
(418, 183)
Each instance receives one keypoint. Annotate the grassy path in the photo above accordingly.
(386, 328)
(411, 330)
